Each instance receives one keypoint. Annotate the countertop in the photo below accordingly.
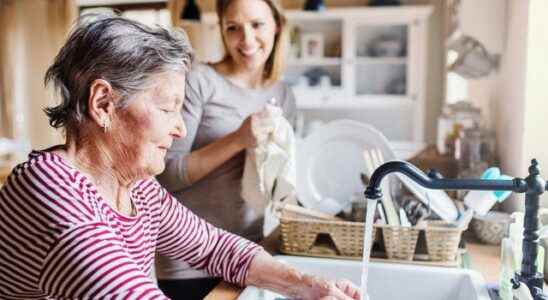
(484, 259)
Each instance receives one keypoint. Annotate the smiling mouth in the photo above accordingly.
(249, 53)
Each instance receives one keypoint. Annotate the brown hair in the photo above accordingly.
(275, 63)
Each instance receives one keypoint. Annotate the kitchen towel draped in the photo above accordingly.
(270, 173)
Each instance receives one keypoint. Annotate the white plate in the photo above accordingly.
(330, 161)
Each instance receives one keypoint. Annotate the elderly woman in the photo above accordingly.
(82, 220)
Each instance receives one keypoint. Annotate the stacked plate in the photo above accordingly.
(330, 161)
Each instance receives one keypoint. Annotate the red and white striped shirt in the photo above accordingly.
(60, 240)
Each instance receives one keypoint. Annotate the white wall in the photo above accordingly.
(535, 140)
(511, 95)
(485, 20)
(522, 107)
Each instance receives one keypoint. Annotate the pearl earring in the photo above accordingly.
(106, 125)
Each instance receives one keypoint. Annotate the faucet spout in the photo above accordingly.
(435, 181)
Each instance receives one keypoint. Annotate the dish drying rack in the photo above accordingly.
(309, 233)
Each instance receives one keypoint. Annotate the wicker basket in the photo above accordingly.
(303, 234)
(400, 242)
(442, 240)
(300, 234)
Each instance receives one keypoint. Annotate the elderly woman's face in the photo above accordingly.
(150, 123)
(249, 29)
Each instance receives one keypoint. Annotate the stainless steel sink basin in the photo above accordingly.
(390, 281)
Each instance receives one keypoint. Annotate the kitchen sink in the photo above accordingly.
(389, 281)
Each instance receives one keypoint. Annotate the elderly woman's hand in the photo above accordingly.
(266, 272)
(320, 288)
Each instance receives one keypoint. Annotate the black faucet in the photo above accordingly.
(533, 186)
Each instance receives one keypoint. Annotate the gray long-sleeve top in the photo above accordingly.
(213, 108)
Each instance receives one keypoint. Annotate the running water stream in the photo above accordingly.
(368, 235)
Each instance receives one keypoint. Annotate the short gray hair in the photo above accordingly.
(121, 51)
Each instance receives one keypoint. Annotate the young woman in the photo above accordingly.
(204, 170)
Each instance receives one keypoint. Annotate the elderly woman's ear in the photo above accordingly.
(101, 103)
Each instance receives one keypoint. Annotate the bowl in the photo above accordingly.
(492, 227)
(386, 47)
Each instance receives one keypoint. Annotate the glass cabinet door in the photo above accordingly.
(315, 65)
(381, 59)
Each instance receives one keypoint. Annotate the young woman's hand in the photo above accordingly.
(244, 135)
(257, 127)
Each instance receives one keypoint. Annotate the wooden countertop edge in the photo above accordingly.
(224, 291)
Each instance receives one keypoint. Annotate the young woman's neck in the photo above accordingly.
(241, 76)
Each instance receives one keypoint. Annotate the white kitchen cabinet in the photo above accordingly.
(375, 59)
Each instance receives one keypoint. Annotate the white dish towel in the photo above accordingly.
(269, 173)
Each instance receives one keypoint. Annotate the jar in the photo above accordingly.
(471, 145)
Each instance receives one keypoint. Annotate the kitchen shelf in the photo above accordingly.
(371, 102)
(381, 66)
(330, 61)
(381, 60)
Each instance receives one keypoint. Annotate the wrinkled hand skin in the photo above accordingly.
(327, 290)
(267, 273)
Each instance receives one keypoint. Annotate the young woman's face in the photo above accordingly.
(249, 29)
(149, 124)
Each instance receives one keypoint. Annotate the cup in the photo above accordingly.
(302, 82)
(325, 82)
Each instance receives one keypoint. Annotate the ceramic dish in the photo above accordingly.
(330, 161)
